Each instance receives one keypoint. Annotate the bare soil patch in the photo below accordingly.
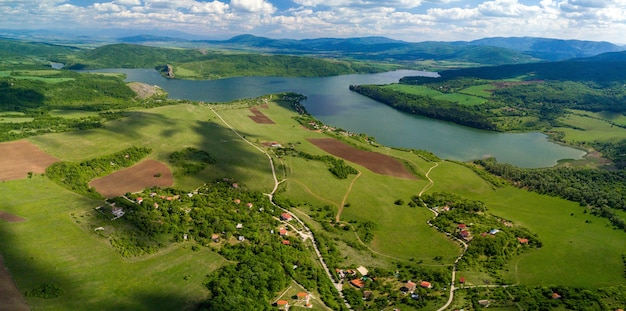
(17, 158)
(10, 217)
(259, 117)
(148, 173)
(10, 297)
(373, 161)
(144, 90)
(504, 84)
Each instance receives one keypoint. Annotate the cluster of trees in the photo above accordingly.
(190, 160)
(76, 175)
(543, 298)
(43, 123)
(472, 116)
(337, 167)
(45, 291)
(221, 208)
(603, 190)
(487, 249)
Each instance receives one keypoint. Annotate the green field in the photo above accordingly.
(588, 244)
(469, 97)
(590, 129)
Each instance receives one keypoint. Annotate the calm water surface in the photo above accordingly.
(330, 100)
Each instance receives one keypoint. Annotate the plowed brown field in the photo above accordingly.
(17, 158)
(259, 117)
(133, 179)
(10, 218)
(373, 161)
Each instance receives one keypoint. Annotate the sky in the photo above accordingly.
(409, 20)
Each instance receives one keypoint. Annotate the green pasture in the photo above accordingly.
(401, 231)
(15, 120)
(52, 248)
(615, 117)
(578, 250)
(73, 114)
(594, 129)
(483, 90)
(460, 98)
(458, 179)
(165, 130)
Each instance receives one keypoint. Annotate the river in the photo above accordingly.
(330, 101)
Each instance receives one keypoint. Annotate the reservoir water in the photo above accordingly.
(330, 101)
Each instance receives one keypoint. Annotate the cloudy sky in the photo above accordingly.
(410, 20)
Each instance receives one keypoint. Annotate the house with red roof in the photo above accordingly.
(282, 232)
(282, 305)
(215, 237)
(285, 216)
(425, 284)
(410, 286)
(462, 226)
(303, 297)
(286, 242)
(522, 240)
(139, 200)
(358, 283)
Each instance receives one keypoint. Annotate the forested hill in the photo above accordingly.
(129, 56)
(550, 49)
(604, 69)
(486, 51)
(10, 48)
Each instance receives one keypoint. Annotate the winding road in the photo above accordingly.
(306, 232)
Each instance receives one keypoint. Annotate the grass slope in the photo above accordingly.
(578, 250)
(51, 247)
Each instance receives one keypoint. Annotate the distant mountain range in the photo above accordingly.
(487, 51)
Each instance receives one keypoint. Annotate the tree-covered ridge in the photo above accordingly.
(602, 190)
(60, 89)
(128, 56)
(601, 72)
(219, 65)
(471, 116)
(76, 175)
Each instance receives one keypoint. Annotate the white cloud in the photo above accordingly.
(107, 7)
(404, 4)
(128, 2)
(253, 6)
(214, 7)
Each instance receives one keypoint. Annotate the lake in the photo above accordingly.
(330, 101)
